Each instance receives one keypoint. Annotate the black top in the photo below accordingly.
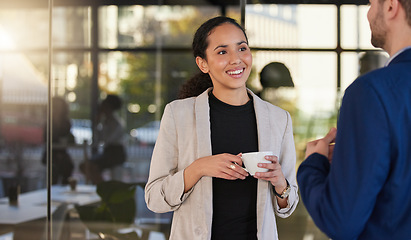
(234, 131)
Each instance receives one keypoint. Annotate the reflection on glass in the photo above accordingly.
(25, 28)
(72, 73)
(134, 75)
(23, 97)
(71, 27)
(147, 26)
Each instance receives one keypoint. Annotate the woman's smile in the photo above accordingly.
(237, 73)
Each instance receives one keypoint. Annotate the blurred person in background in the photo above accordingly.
(61, 162)
(370, 61)
(110, 136)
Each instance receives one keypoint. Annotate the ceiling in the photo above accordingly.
(45, 3)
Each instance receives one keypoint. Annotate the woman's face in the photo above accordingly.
(229, 58)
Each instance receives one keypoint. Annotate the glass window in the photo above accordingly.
(23, 100)
(71, 27)
(291, 26)
(355, 28)
(356, 64)
(312, 73)
(147, 81)
(148, 26)
(233, 12)
(72, 73)
(23, 28)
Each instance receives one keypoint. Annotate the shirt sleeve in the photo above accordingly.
(340, 197)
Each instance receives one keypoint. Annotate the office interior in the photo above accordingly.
(81, 51)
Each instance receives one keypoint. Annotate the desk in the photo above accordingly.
(33, 205)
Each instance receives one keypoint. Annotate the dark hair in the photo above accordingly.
(406, 4)
(113, 101)
(201, 81)
(275, 75)
(200, 40)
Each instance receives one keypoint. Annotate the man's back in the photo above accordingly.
(389, 164)
(365, 194)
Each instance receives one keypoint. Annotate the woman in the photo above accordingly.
(193, 169)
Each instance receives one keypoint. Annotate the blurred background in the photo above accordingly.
(81, 51)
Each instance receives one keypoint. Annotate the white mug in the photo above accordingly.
(251, 160)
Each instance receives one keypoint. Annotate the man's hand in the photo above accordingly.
(324, 146)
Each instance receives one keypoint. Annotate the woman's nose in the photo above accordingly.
(235, 58)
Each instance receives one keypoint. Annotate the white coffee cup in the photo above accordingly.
(251, 160)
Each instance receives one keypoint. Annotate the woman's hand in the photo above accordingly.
(226, 166)
(274, 174)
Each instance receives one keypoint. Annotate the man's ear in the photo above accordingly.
(392, 8)
(202, 64)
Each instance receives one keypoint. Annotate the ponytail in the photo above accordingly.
(195, 86)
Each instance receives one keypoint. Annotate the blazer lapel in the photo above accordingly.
(264, 143)
(263, 123)
(202, 115)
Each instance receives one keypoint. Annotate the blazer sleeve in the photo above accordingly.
(288, 160)
(164, 190)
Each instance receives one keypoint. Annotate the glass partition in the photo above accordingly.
(142, 54)
(150, 26)
(71, 27)
(24, 28)
(23, 117)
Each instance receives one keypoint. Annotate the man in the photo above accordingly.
(364, 193)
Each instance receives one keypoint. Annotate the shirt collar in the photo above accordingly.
(396, 54)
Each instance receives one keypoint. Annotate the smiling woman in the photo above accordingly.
(201, 140)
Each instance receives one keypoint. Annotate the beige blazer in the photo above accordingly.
(184, 137)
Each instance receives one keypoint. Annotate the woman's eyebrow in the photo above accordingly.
(220, 46)
(224, 46)
(241, 42)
